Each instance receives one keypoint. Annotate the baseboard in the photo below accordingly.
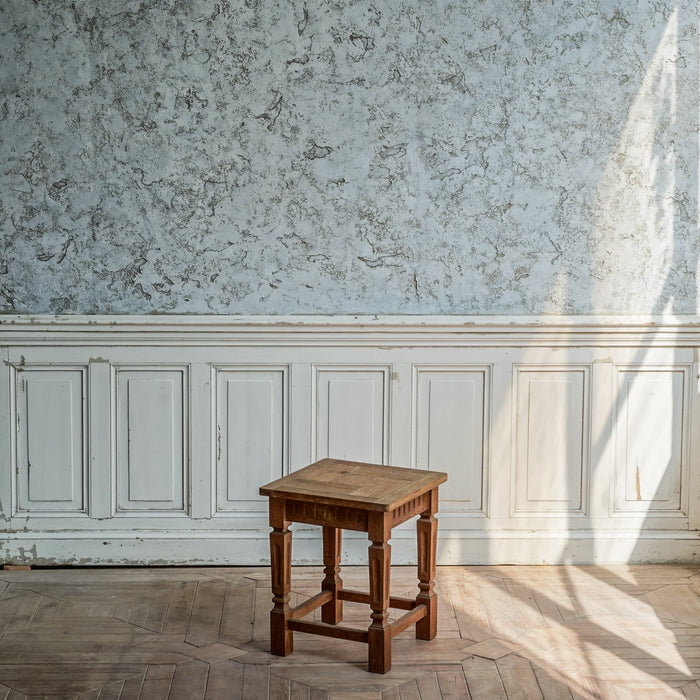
(252, 548)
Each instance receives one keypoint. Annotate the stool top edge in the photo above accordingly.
(358, 484)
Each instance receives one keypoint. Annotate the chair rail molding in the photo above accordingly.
(144, 439)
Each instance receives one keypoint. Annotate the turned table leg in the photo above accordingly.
(281, 640)
(379, 653)
(426, 528)
(332, 611)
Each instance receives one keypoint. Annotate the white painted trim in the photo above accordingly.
(325, 331)
(455, 547)
(694, 446)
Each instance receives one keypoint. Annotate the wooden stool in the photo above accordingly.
(371, 498)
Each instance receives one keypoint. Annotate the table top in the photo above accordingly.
(355, 484)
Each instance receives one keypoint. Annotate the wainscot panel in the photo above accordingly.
(144, 439)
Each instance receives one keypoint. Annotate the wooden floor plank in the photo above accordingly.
(501, 613)
(297, 691)
(104, 657)
(256, 681)
(205, 619)
(409, 691)
(45, 611)
(452, 685)
(118, 577)
(526, 609)
(483, 679)
(472, 618)
(159, 606)
(428, 687)
(551, 614)
(105, 609)
(111, 691)
(9, 604)
(492, 648)
(213, 653)
(65, 679)
(86, 593)
(157, 681)
(189, 681)
(25, 612)
(132, 688)
(16, 695)
(675, 602)
(177, 616)
(139, 611)
(68, 628)
(518, 678)
(447, 622)
(339, 677)
(238, 611)
(262, 604)
(225, 681)
(552, 688)
(122, 610)
(278, 688)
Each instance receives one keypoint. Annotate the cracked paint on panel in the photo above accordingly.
(331, 156)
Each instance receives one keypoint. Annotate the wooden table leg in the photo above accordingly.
(332, 612)
(426, 528)
(281, 640)
(379, 653)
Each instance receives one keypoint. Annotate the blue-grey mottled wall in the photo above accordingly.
(328, 156)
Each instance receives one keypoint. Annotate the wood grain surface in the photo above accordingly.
(340, 482)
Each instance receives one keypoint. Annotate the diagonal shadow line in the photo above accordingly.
(572, 684)
(641, 655)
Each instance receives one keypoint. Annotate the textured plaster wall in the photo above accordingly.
(214, 156)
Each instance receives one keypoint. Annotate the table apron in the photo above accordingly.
(343, 517)
(410, 509)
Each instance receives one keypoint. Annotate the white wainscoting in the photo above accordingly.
(129, 440)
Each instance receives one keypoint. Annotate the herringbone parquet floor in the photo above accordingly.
(505, 632)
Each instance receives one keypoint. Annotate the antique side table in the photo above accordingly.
(372, 498)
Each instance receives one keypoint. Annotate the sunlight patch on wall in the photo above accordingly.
(633, 239)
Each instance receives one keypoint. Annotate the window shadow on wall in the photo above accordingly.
(646, 224)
